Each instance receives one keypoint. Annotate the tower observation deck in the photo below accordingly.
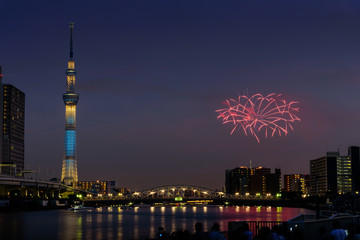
(69, 165)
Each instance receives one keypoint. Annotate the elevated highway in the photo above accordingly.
(13, 187)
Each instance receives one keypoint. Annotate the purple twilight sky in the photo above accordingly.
(152, 73)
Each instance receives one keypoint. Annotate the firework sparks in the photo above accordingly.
(256, 114)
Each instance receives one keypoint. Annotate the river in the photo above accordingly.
(135, 223)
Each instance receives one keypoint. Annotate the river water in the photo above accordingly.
(136, 223)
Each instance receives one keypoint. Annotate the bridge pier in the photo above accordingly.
(3, 192)
(23, 192)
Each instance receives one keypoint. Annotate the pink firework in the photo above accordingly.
(269, 114)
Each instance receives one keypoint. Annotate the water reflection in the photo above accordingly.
(120, 229)
(152, 226)
(163, 217)
(79, 229)
(184, 209)
(173, 223)
(268, 209)
(136, 226)
(137, 223)
(205, 209)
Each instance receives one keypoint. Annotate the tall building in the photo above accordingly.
(96, 187)
(243, 180)
(297, 183)
(343, 171)
(336, 174)
(273, 182)
(13, 123)
(354, 154)
(265, 182)
(323, 174)
(237, 180)
(69, 166)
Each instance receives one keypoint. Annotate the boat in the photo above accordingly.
(80, 208)
(142, 205)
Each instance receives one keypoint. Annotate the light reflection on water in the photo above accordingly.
(138, 223)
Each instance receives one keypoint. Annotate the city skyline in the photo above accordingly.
(151, 77)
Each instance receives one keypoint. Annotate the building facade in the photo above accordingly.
(335, 174)
(69, 172)
(13, 126)
(323, 175)
(264, 182)
(343, 171)
(253, 181)
(237, 180)
(354, 154)
(297, 183)
(96, 187)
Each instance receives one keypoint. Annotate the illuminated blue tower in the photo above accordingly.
(69, 166)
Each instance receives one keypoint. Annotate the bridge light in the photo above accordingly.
(184, 189)
(247, 194)
(162, 190)
(173, 189)
(268, 194)
(205, 192)
(258, 194)
(178, 199)
(237, 194)
(110, 194)
(151, 193)
(119, 194)
(136, 193)
(99, 195)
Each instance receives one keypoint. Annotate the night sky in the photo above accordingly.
(151, 75)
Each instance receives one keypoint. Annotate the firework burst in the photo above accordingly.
(257, 114)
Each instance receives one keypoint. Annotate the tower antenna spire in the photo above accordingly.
(71, 40)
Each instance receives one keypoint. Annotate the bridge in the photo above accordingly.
(183, 194)
(38, 191)
(13, 187)
(172, 191)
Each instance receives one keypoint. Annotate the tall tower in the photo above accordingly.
(69, 167)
